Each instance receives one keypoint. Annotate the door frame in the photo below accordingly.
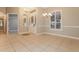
(8, 22)
(3, 23)
(34, 30)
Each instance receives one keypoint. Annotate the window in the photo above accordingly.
(56, 20)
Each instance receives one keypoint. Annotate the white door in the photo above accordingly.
(12, 23)
(33, 24)
(26, 25)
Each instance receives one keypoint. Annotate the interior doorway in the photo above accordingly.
(12, 23)
(29, 25)
(26, 25)
(33, 24)
(2, 24)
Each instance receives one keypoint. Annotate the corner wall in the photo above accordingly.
(70, 22)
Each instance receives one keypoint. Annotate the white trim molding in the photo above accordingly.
(72, 26)
(61, 35)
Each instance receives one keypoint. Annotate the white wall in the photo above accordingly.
(70, 21)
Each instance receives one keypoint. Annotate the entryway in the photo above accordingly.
(12, 23)
(29, 25)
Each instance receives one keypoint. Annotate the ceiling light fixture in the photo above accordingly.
(47, 14)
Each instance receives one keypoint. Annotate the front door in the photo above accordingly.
(12, 23)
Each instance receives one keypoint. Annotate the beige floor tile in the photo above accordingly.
(37, 43)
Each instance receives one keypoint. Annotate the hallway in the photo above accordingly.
(37, 43)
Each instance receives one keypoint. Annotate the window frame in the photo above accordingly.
(56, 21)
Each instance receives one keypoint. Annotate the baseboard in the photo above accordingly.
(67, 36)
(64, 36)
(40, 33)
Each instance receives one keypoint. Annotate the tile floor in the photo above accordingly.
(37, 43)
